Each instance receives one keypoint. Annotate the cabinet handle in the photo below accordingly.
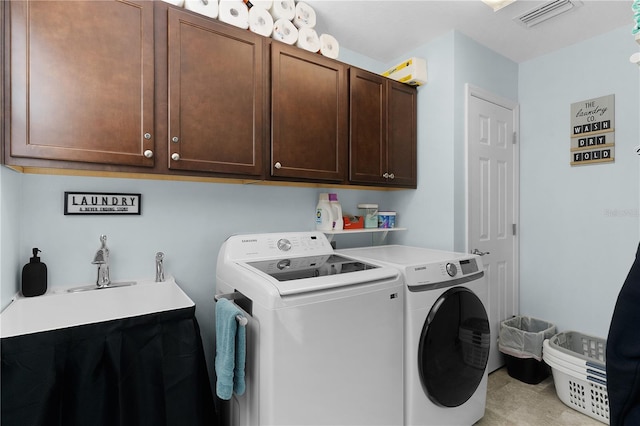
(392, 176)
(175, 139)
(148, 153)
(277, 165)
(385, 175)
(175, 156)
(147, 136)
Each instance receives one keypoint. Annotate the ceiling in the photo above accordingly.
(384, 30)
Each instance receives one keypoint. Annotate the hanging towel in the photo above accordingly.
(230, 350)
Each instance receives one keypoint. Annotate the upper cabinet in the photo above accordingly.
(146, 87)
(216, 96)
(81, 88)
(383, 142)
(402, 140)
(309, 112)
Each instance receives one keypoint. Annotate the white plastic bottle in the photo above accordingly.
(336, 210)
(324, 215)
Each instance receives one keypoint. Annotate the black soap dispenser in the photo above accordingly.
(34, 276)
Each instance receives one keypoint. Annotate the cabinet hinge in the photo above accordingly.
(513, 227)
(514, 138)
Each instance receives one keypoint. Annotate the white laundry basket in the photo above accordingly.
(578, 366)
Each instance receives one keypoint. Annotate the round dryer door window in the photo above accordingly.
(454, 347)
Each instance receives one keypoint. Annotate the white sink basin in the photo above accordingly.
(61, 309)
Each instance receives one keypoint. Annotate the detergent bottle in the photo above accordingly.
(324, 215)
(336, 210)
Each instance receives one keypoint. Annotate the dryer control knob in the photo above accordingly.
(284, 244)
(452, 269)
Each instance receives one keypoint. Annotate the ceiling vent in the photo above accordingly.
(546, 11)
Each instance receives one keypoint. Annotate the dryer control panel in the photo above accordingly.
(442, 272)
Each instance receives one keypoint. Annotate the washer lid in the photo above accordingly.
(314, 273)
(292, 263)
(309, 267)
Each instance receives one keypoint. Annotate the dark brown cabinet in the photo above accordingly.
(383, 142)
(82, 81)
(309, 112)
(216, 100)
(145, 87)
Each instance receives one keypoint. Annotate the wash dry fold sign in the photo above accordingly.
(592, 131)
(101, 203)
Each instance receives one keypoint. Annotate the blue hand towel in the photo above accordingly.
(230, 350)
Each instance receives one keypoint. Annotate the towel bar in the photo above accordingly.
(242, 320)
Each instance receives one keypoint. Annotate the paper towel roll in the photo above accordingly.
(305, 16)
(204, 7)
(234, 12)
(285, 31)
(260, 21)
(308, 39)
(283, 9)
(329, 46)
(178, 3)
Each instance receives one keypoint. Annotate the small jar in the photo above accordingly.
(370, 213)
(386, 220)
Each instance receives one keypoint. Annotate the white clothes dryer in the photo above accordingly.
(447, 333)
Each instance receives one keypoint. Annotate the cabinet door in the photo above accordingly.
(82, 81)
(401, 134)
(216, 96)
(309, 115)
(368, 127)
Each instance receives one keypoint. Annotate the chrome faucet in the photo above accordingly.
(159, 267)
(102, 260)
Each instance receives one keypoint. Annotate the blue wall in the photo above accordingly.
(579, 225)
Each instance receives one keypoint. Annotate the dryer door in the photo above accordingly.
(454, 347)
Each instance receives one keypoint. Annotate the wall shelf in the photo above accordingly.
(382, 231)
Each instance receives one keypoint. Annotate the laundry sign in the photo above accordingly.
(592, 131)
(101, 203)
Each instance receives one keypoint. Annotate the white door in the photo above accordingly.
(492, 203)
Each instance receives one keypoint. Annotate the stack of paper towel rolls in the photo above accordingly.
(283, 20)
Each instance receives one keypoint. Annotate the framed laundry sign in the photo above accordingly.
(593, 131)
(101, 203)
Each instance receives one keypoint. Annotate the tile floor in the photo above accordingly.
(511, 402)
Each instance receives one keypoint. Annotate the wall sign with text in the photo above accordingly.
(592, 131)
(101, 203)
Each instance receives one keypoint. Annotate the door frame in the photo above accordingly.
(473, 91)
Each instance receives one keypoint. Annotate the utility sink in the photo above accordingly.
(63, 309)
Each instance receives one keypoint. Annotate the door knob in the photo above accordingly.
(175, 156)
(148, 153)
(479, 253)
(277, 165)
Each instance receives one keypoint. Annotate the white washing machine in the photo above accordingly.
(447, 333)
(324, 332)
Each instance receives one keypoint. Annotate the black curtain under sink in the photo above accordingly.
(146, 370)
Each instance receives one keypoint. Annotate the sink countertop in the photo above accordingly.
(61, 309)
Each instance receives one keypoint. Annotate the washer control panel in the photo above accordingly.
(271, 246)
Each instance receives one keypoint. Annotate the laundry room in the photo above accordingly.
(170, 205)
